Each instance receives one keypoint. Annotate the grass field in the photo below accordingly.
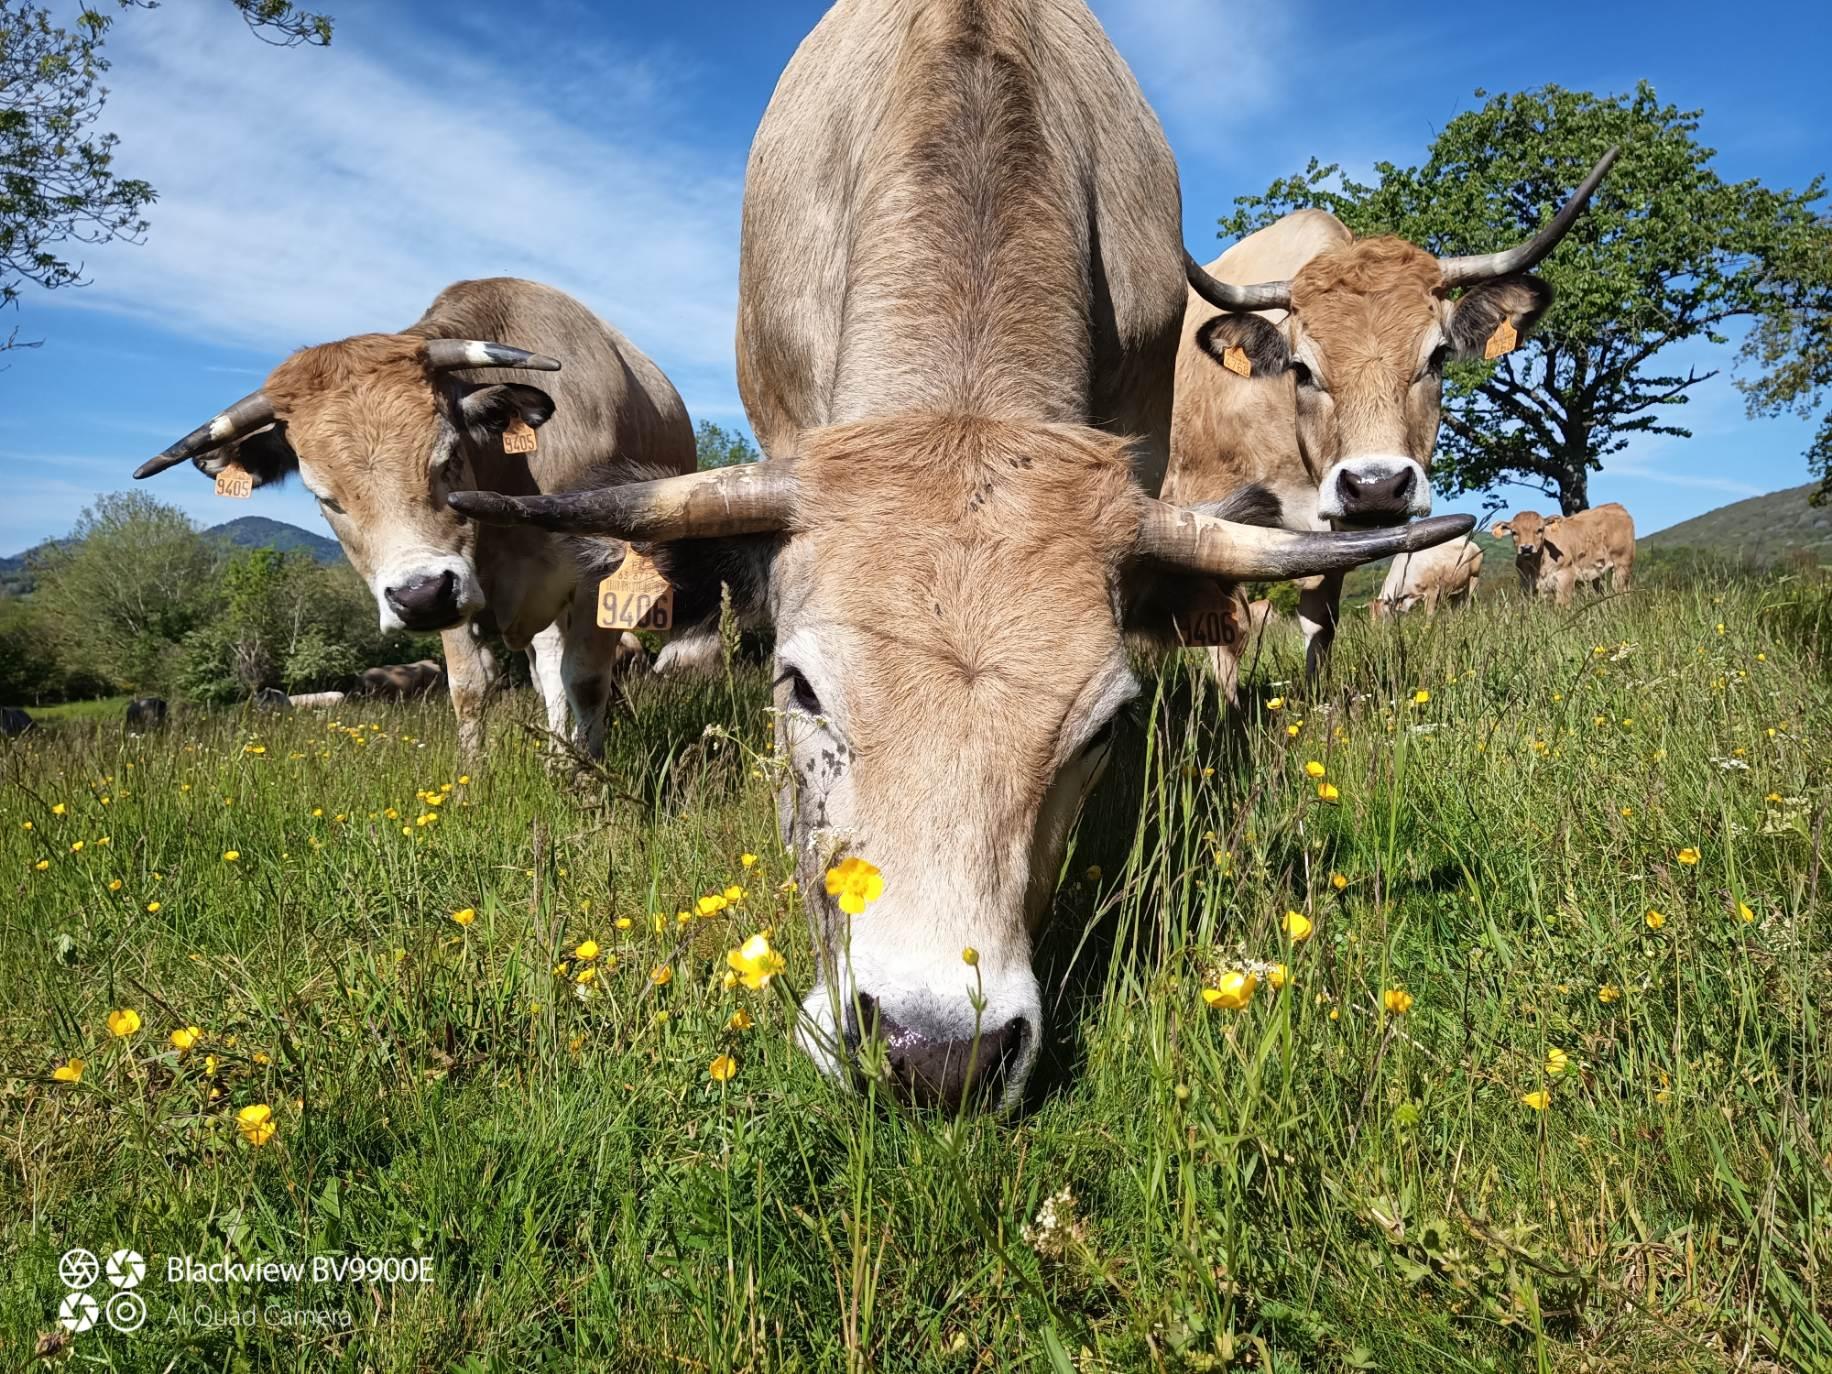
(1501, 1115)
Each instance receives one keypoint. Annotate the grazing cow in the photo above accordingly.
(1322, 381)
(145, 713)
(1444, 576)
(272, 699)
(317, 701)
(401, 681)
(14, 722)
(1555, 556)
(382, 427)
(961, 253)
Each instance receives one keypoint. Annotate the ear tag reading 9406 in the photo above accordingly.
(1501, 341)
(1235, 359)
(518, 437)
(1207, 620)
(635, 597)
(234, 481)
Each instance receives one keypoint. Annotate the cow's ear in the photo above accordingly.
(491, 408)
(1238, 342)
(1501, 531)
(1476, 326)
(265, 455)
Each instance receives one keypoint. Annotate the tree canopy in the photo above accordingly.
(1668, 252)
(719, 447)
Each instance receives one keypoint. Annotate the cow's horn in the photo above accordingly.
(1480, 267)
(1201, 543)
(243, 418)
(445, 353)
(756, 498)
(1225, 295)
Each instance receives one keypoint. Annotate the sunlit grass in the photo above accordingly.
(1475, 1108)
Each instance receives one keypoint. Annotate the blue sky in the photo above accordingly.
(307, 195)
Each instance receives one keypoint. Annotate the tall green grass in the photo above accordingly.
(1315, 1181)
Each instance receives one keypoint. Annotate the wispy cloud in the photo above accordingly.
(308, 195)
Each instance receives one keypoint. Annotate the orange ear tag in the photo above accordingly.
(1207, 620)
(1235, 359)
(635, 597)
(1502, 340)
(235, 482)
(518, 437)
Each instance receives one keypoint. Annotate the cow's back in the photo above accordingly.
(960, 206)
(616, 415)
(1227, 433)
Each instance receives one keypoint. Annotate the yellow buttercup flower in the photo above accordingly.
(713, 905)
(1609, 992)
(740, 1020)
(856, 883)
(1420, 697)
(1687, 856)
(748, 860)
(734, 893)
(77, 847)
(1232, 991)
(1744, 914)
(587, 949)
(1315, 769)
(123, 1023)
(114, 885)
(256, 1123)
(1338, 881)
(586, 975)
(970, 957)
(661, 975)
(1557, 1061)
(185, 1038)
(1292, 731)
(231, 855)
(622, 923)
(465, 915)
(722, 1068)
(755, 962)
(1328, 791)
(1276, 704)
(152, 906)
(1297, 926)
(1654, 919)
(70, 1071)
(1396, 1000)
(57, 809)
(1538, 1101)
(42, 865)
(1277, 976)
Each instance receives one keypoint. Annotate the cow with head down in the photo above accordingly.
(1557, 555)
(1447, 575)
(960, 289)
(1322, 378)
(381, 428)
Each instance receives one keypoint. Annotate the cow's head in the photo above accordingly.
(951, 600)
(1368, 329)
(382, 431)
(1532, 535)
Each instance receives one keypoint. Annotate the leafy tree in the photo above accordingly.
(1792, 346)
(58, 184)
(1668, 251)
(132, 581)
(720, 447)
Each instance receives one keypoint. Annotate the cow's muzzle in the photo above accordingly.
(1374, 491)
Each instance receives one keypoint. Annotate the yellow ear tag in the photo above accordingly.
(234, 481)
(1207, 618)
(518, 437)
(635, 597)
(1235, 359)
(1502, 340)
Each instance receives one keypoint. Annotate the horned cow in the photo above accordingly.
(381, 428)
(960, 288)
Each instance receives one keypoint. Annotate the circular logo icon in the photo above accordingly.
(126, 1268)
(77, 1312)
(126, 1311)
(78, 1268)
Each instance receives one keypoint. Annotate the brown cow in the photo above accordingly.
(1444, 576)
(961, 254)
(1558, 555)
(399, 681)
(1323, 380)
(383, 427)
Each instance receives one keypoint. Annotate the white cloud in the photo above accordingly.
(305, 195)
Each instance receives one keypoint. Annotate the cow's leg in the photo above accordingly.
(1564, 590)
(1224, 663)
(468, 673)
(1317, 607)
(546, 651)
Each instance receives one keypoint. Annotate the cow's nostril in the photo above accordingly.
(426, 602)
(939, 1069)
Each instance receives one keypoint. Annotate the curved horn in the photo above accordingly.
(243, 418)
(757, 498)
(1225, 295)
(1478, 267)
(445, 353)
(1241, 553)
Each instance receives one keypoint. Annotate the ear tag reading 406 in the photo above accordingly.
(518, 437)
(1207, 620)
(635, 597)
(234, 481)
(1501, 341)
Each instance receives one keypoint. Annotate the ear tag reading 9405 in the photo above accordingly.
(635, 597)
(518, 437)
(1207, 620)
(1235, 359)
(1501, 341)
(234, 481)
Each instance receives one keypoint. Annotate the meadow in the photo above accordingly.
(1468, 1013)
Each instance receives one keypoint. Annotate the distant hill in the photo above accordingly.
(258, 532)
(1762, 529)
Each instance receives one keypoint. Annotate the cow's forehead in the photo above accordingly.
(1379, 289)
(361, 400)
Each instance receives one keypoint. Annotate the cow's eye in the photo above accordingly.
(330, 503)
(1434, 365)
(1102, 737)
(801, 695)
(1303, 376)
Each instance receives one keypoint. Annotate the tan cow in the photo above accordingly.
(399, 681)
(1322, 381)
(1443, 576)
(960, 289)
(383, 427)
(1558, 555)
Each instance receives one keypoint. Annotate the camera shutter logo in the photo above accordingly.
(79, 1269)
